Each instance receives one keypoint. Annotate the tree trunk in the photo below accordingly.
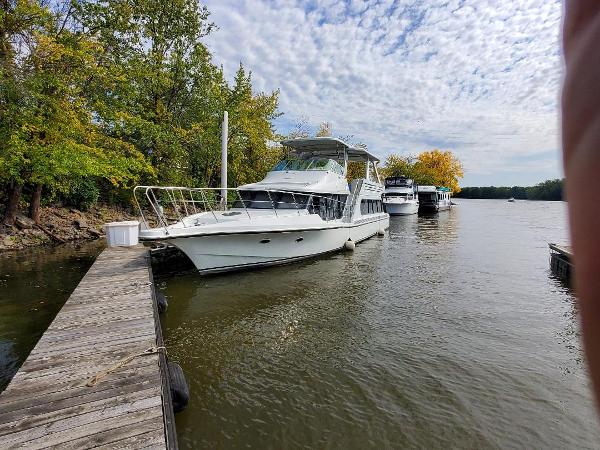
(34, 206)
(12, 206)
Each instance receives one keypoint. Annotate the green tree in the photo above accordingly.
(171, 99)
(155, 54)
(119, 91)
(49, 134)
(250, 132)
(546, 190)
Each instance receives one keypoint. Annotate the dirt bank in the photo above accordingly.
(58, 224)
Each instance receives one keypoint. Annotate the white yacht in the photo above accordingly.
(303, 207)
(400, 197)
(434, 198)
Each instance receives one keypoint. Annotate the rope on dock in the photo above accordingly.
(91, 382)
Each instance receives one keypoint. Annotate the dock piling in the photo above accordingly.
(561, 257)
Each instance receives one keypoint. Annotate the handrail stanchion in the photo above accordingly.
(173, 200)
(295, 203)
(208, 204)
(184, 202)
(139, 207)
(193, 201)
(272, 204)
(159, 214)
(243, 203)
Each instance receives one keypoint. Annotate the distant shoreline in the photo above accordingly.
(547, 190)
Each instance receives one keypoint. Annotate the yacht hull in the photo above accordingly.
(239, 251)
(401, 209)
(433, 208)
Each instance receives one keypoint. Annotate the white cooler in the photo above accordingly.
(122, 234)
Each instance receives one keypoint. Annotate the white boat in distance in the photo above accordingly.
(400, 197)
(304, 207)
(434, 198)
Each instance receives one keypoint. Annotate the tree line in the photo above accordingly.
(546, 190)
(96, 97)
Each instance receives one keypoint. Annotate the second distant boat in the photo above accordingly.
(434, 199)
(400, 197)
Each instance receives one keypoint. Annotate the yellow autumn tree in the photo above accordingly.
(433, 167)
(443, 166)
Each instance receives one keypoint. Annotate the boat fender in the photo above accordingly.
(161, 302)
(349, 244)
(381, 232)
(180, 392)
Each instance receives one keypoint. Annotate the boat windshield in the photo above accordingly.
(398, 182)
(309, 164)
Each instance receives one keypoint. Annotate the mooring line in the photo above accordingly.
(91, 382)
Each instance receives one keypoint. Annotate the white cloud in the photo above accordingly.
(480, 78)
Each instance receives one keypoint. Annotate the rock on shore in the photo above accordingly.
(60, 224)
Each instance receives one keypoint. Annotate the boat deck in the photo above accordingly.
(98, 375)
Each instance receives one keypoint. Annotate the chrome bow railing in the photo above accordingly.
(163, 206)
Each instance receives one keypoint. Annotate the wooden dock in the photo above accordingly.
(564, 250)
(98, 376)
(561, 261)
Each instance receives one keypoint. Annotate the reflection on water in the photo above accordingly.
(34, 284)
(448, 331)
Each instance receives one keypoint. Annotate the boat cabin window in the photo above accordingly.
(398, 182)
(271, 200)
(371, 206)
(401, 195)
(328, 206)
(428, 197)
(309, 164)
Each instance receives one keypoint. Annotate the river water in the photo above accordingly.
(448, 332)
(34, 285)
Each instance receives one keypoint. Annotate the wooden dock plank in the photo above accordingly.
(108, 322)
(60, 390)
(565, 250)
(33, 407)
(131, 436)
(45, 415)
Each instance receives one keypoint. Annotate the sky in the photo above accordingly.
(478, 77)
